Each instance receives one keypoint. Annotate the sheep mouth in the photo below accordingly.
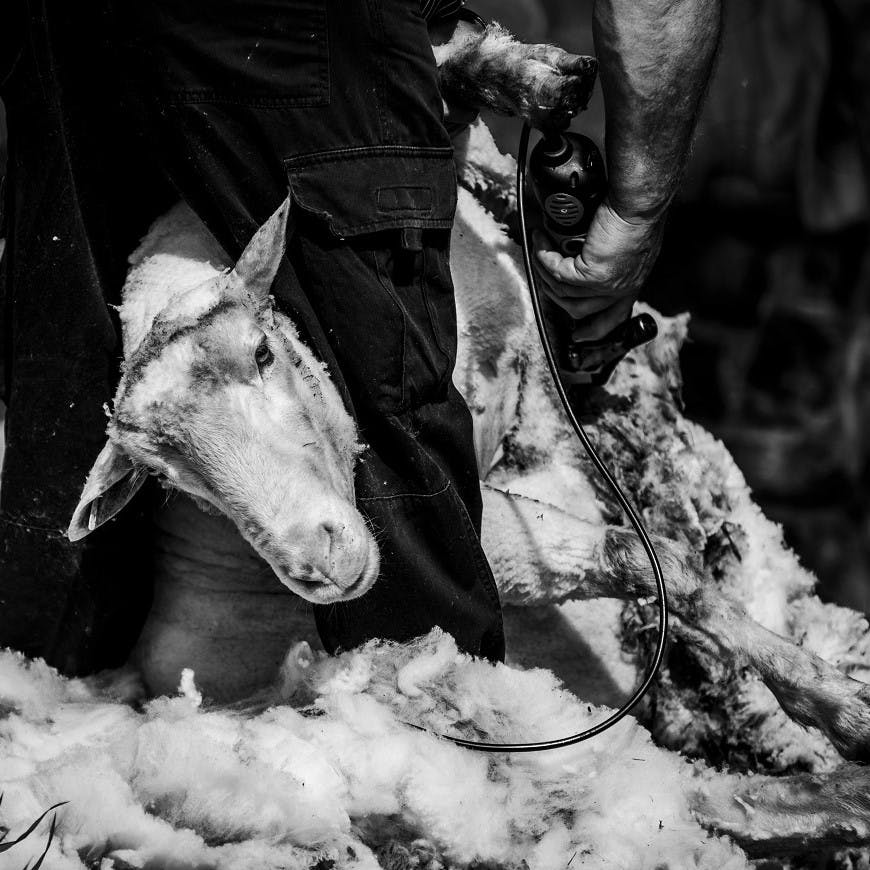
(367, 577)
(318, 588)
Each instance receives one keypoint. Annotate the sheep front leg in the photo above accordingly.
(541, 554)
(218, 609)
(491, 70)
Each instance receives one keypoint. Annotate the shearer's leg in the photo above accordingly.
(78, 197)
(340, 101)
(394, 337)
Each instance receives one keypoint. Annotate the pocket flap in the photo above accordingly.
(364, 190)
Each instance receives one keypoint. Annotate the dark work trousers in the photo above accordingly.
(116, 109)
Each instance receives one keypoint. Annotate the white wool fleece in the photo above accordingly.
(183, 786)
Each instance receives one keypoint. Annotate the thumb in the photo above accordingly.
(571, 270)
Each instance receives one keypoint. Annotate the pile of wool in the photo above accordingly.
(338, 779)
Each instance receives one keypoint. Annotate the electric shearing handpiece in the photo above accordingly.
(567, 176)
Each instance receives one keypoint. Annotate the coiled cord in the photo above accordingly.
(634, 519)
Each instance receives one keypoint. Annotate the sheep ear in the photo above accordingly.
(258, 265)
(113, 481)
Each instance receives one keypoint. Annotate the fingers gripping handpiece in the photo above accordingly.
(567, 177)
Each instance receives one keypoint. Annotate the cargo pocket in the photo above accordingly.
(372, 249)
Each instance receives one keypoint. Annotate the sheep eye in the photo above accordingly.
(263, 355)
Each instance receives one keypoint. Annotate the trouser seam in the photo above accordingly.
(371, 498)
(32, 527)
(480, 563)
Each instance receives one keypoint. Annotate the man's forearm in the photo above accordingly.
(656, 57)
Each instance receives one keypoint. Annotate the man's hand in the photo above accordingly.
(599, 287)
(655, 57)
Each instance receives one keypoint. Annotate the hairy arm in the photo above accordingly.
(655, 60)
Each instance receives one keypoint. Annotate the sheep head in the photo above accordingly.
(223, 401)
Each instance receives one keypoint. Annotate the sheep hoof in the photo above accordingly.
(554, 85)
(850, 729)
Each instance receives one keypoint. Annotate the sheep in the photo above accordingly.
(184, 331)
(551, 533)
(194, 333)
(547, 541)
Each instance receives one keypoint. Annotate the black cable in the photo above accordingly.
(635, 520)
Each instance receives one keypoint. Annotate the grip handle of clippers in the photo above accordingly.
(591, 363)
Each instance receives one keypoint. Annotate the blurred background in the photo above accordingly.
(767, 247)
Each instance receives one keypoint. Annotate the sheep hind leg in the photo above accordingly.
(543, 555)
(808, 689)
(787, 816)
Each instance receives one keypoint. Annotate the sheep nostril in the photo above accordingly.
(330, 531)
